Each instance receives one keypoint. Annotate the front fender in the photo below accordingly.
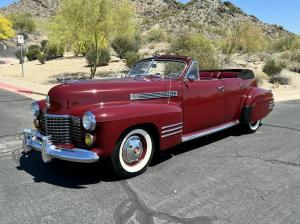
(257, 105)
(112, 121)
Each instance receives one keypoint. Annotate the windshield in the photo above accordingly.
(162, 69)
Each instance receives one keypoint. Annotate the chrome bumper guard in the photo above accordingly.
(34, 140)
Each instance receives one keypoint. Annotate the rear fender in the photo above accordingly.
(112, 121)
(258, 104)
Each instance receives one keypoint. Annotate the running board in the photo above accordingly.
(195, 135)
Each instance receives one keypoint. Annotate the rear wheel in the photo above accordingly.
(132, 153)
(252, 127)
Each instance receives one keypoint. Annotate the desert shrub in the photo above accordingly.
(103, 57)
(197, 47)
(279, 79)
(33, 52)
(44, 44)
(294, 67)
(131, 58)
(292, 60)
(54, 51)
(271, 68)
(23, 22)
(232, 8)
(295, 56)
(244, 38)
(18, 54)
(157, 35)
(42, 58)
(79, 48)
(122, 45)
(286, 43)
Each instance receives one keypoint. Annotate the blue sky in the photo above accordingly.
(282, 12)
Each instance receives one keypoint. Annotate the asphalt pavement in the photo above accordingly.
(224, 178)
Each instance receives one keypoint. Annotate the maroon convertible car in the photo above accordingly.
(162, 102)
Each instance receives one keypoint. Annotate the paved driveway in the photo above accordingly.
(224, 178)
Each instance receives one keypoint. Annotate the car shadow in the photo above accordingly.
(77, 175)
(196, 144)
(66, 174)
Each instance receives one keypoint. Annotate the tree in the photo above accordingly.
(23, 22)
(6, 30)
(197, 47)
(244, 38)
(93, 23)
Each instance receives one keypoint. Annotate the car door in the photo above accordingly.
(234, 96)
(203, 101)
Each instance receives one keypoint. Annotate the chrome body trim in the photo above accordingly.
(171, 134)
(154, 95)
(172, 130)
(271, 105)
(171, 126)
(34, 140)
(209, 131)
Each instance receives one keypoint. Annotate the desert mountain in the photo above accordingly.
(207, 16)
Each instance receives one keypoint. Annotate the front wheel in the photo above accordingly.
(132, 153)
(252, 127)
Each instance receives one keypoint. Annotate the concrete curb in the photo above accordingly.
(19, 90)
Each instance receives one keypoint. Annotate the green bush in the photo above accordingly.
(278, 79)
(271, 68)
(104, 57)
(18, 54)
(295, 56)
(131, 58)
(122, 45)
(33, 52)
(197, 47)
(42, 58)
(23, 22)
(44, 44)
(286, 43)
(157, 35)
(79, 48)
(54, 51)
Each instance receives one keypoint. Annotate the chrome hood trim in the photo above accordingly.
(154, 95)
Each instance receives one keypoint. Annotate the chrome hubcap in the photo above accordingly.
(254, 125)
(132, 149)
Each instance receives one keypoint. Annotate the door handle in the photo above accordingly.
(243, 85)
(221, 88)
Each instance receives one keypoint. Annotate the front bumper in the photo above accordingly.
(34, 140)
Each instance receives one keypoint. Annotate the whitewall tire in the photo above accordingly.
(252, 127)
(133, 152)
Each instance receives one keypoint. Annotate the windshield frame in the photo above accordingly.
(152, 60)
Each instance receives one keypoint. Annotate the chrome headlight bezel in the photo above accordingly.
(48, 102)
(89, 121)
(35, 109)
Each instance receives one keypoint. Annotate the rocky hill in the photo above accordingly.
(207, 16)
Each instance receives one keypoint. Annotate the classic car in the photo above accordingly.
(162, 102)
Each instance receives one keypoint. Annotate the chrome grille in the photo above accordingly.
(63, 129)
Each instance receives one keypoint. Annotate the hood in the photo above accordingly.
(77, 97)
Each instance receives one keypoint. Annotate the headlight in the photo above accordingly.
(35, 109)
(89, 121)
